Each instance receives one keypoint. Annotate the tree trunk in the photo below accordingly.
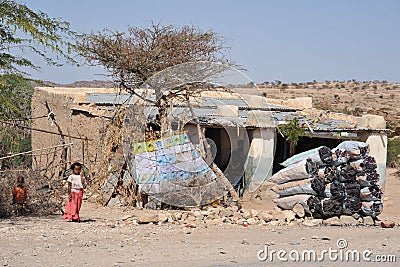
(292, 148)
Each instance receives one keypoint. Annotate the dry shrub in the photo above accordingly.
(44, 197)
(113, 162)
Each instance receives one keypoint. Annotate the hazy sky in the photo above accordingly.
(274, 40)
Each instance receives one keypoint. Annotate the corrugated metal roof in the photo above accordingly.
(206, 111)
(241, 103)
(109, 99)
(209, 117)
(205, 102)
(215, 102)
(322, 126)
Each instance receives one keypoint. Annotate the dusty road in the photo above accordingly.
(105, 239)
(51, 242)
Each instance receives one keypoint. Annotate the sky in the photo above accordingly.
(290, 41)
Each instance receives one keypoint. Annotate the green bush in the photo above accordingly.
(15, 107)
(292, 131)
(393, 159)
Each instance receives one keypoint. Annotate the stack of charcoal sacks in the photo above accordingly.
(329, 182)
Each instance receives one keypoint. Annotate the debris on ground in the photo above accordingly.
(387, 224)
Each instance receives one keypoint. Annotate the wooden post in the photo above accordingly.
(83, 152)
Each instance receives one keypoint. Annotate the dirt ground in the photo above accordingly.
(105, 239)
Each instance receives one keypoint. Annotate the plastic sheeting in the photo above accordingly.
(287, 203)
(349, 184)
(321, 155)
(169, 159)
(293, 172)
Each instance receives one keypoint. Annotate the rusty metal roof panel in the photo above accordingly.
(215, 102)
(109, 99)
(329, 125)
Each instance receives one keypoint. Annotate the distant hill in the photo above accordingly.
(90, 84)
(350, 97)
(87, 84)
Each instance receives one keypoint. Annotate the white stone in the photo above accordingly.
(235, 208)
(162, 217)
(273, 223)
(147, 218)
(254, 212)
(240, 221)
(226, 212)
(298, 209)
(251, 221)
(197, 213)
(126, 217)
(267, 217)
(317, 221)
(289, 215)
(334, 221)
(184, 216)
(348, 220)
(246, 214)
(373, 121)
(191, 218)
(178, 215)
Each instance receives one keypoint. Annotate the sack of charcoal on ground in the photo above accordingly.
(331, 182)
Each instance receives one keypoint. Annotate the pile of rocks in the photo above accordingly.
(233, 215)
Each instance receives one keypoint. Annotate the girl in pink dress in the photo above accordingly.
(76, 182)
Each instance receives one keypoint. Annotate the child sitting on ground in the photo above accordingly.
(20, 193)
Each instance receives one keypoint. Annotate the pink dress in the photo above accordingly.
(74, 205)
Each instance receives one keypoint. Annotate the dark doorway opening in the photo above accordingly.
(307, 143)
(230, 147)
(281, 153)
(215, 135)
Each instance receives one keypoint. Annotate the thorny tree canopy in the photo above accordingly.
(132, 58)
(23, 29)
(15, 97)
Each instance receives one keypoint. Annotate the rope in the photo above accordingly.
(34, 150)
(43, 131)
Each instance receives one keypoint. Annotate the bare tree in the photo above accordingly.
(133, 57)
(176, 62)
